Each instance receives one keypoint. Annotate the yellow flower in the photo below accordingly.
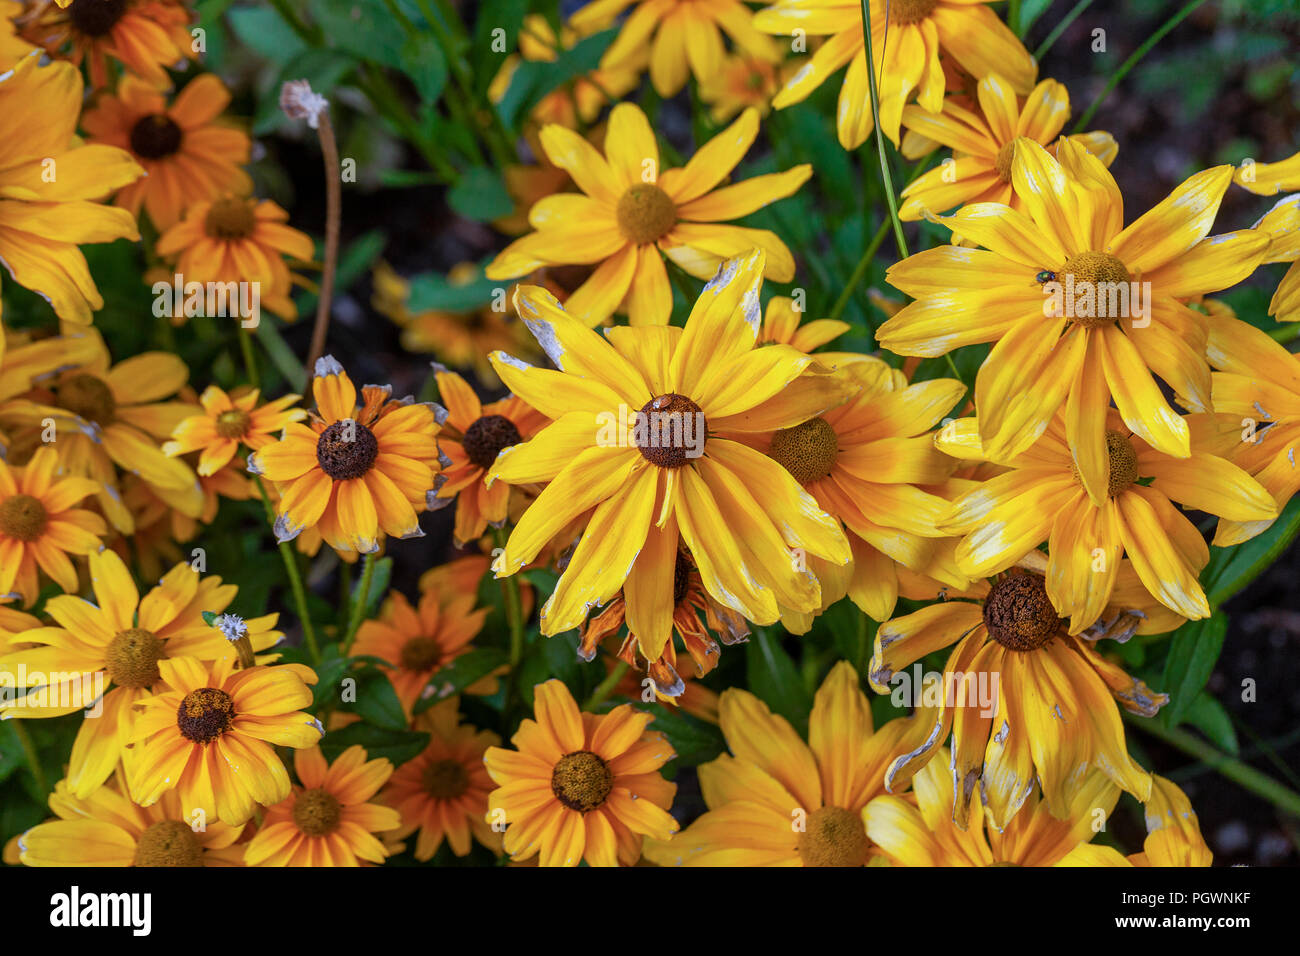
(776, 801)
(687, 37)
(212, 736)
(107, 829)
(1041, 498)
(741, 82)
(472, 437)
(353, 472)
(40, 525)
(636, 441)
(1055, 713)
(1053, 348)
(781, 325)
(1282, 223)
(906, 60)
(12, 47)
(109, 417)
(227, 422)
(50, 182)
(1258, 382)
(1173, 833)
(984, 143)
(921, 832)
(122, 642)
(443, 793)
(187, 154)
(580, 786)
(328, 819)
(419, 642)
(630, 214)
(238, 240)
(146, 36)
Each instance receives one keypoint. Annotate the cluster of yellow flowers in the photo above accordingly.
(683, 485)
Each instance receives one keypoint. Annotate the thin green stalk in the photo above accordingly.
(606, 687)
(681, 280)
(1286, 333)
(290, 16)
(295, 578)
(514, 607)
(1013, 16)
(29, 751)
(1118, 76)
(250, 361)
(885, 175)
(359, 605)
(859, 271)
(1243, 775)
(1061, 27)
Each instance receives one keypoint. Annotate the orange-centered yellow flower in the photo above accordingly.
(1081, 309)
(228, 422)
(630, 214)
(905, 47)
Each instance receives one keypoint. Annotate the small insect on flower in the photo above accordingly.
(1044, 277)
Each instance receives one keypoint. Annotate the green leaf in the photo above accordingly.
(481, 195)
(532, 80)
(774, 677)
(1209, 717)
(380, 578)
(377, 701)
(432, 291)
(423, 62)
(365, 28)
(465, 670)
(1193, 651)
(1030, 11)
(694, 741)
(398, 746)
(1231, 569)
(263, 31)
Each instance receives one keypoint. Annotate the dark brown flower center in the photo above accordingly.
(233, 423)
(1003, 161)
(95, 18)
(581, 781)
(910, 11)
(230, 218)
(446, 779)
(670, 430)
(485, 439)
(23, 517)
(317, 812)
(807, 451)
(169, 843)
(1107, 274)
(132, 658)
(421, 654)
(205, 714)
(833, 836)
(1122, 463)
(645, 213)
(1018, 613)
(90, 397)
(346, 450)
(156, 136)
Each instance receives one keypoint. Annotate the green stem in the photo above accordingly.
(1239, 773)
(290, 16)
(885, 175)
(514, 607)
(606, 687)
(250, 361)
(1013, 16)
(859, 271)
(359, 605)
(1286, 333)
(29, 751)
(1118, 76)
(1061, 28)
(295, 578)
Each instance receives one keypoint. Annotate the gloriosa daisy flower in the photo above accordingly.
(580, 786)
(212, 735)
(1041, 498)
(674, 473)
(1051, 350)
(776, 801)
(1055, 716)
(228, 422)
(328, 819)
(905, 61)
(629, 215)
(984, 144)
(353, 472)
(40, 525)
